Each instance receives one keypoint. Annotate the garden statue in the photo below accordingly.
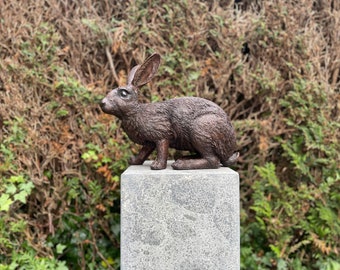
(187, 123)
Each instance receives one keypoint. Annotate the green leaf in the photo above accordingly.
(17, 179)
(60, 248)
(5, 202)
(281, 264)
(18, 226)
(89, 156)
(62, 266)
(194, 75)
(21, 196)
(27, 187)
(11, 189)
(62, 113)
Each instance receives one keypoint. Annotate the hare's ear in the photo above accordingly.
(146, 71)
(132, 74)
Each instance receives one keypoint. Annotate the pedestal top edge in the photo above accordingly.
(145, 169)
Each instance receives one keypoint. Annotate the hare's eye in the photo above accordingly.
(123, 93)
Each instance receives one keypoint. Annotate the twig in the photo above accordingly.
(109, 57)
(96, 248)
(335, 76)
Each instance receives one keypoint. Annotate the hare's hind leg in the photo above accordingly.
(203, 138)
(205, 159)
(210, 162)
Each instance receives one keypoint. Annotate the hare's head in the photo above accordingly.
(122, 100)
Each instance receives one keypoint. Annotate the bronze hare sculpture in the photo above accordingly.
(188, 123)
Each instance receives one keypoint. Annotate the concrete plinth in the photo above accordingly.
(179, 220)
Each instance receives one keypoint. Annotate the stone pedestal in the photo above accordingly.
(179, 220)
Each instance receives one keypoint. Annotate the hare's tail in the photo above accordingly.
(231, 160)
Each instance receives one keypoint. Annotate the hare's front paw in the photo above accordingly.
(135, 161)
(158, 165)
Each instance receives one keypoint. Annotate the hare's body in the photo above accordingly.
(185, 122)
(189, 123)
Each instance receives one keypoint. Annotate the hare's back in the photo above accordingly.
(190, 108)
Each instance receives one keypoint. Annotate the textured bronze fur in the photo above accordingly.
(188, 123)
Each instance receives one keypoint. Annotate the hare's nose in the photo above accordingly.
(102, 103)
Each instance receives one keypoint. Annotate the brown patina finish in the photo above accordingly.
(188, 123)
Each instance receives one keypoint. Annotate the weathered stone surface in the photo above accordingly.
(179, 220)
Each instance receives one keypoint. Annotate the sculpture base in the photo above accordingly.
(181, 220)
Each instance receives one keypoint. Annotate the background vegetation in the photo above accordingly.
(273, 66)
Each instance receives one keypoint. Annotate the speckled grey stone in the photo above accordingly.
(179, 220)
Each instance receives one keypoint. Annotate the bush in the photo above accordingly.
(274, 68)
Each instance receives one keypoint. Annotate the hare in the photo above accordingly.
(187, 123)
